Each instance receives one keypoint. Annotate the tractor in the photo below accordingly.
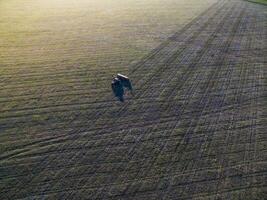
(118, 84)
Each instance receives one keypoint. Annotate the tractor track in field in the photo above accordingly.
(191, 66)
(193, 129)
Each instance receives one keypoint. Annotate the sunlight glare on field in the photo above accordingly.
(88, 32)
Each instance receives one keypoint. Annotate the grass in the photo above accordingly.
(263, 2)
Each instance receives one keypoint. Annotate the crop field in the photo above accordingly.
(195, 127)
(264, 2)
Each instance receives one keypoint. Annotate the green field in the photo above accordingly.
(194, 128)
(264, 2)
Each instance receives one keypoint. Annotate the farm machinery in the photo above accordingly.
(118, 84)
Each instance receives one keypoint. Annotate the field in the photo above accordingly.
(264, 2)
(195, 127)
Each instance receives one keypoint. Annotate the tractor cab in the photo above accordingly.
(125, 81)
